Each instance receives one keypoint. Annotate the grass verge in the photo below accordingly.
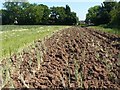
(14, 37)
(109, 30)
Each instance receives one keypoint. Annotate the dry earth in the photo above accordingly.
(74, 57)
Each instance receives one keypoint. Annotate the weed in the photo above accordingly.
(38, 59)
(68, 69)
(23, 81)
(6, 70)
(10, 52)
(83, 53)
(1, 79)
(62, 79)
(69, 75)
(78, 74)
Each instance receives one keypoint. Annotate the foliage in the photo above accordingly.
(24, 13)
(115, 16)
(92, 16)
(64, 16)
(102, 14)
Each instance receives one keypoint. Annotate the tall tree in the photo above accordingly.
(115, 16)
(46, 12)
(92, 15)
(108, 5)
(71, 17)
(100, 14)
(11, 11)
(68, 10)
(22, 13)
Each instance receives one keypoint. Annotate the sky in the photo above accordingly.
(79, 6)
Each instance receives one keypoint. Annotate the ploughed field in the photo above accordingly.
(73, 57)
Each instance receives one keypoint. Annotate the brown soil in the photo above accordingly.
(73, 57)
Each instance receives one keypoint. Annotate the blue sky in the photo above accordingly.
(79, 6)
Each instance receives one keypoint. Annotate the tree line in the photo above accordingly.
(24, 13)
(107, 13)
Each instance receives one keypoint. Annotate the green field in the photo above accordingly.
(14, 38)
(109, 30)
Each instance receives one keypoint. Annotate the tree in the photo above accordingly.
(24, 13)
(71, 18)
(107, 7)
(11, 11)
(63, 16)
(67, 10)
(115, 16)
(103, 16)
(5, 17)
(100, 14)
(92, 15)
(24, 16)
(58, 15)
(46, 12)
